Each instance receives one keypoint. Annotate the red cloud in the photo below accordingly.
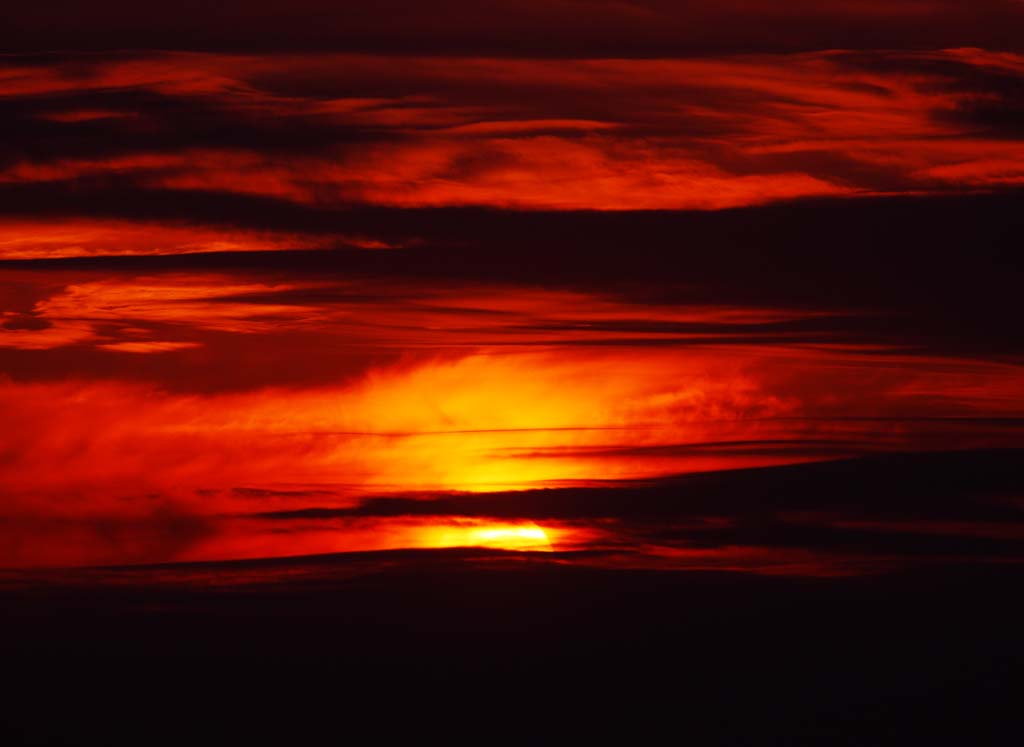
(333, 130)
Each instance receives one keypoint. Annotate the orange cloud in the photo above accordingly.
(150, 475)
(557, 173)
(484, 421)
(438, 424)
(148, 346)
(78, 237)
(702, 133)
(116, 312)
(106, 310)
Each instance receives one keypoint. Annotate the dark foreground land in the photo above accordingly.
(489, 647)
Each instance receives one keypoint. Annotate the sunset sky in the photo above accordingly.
(526, 372)
(730, 284)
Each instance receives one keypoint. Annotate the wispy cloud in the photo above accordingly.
(532, 134)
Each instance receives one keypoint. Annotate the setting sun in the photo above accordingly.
(527, 536)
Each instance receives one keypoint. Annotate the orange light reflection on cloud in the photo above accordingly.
(115, 312)
(436, 424)
(241, 538)
(703, 133)
(77, 237)
(479, 422)
(135, 460)
(463, 532)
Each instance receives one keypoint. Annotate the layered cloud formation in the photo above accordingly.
(333, 130)
(395, 282)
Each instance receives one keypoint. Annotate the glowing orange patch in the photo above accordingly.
(527, 536)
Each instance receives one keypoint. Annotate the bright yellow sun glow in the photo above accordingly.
(501, 536)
